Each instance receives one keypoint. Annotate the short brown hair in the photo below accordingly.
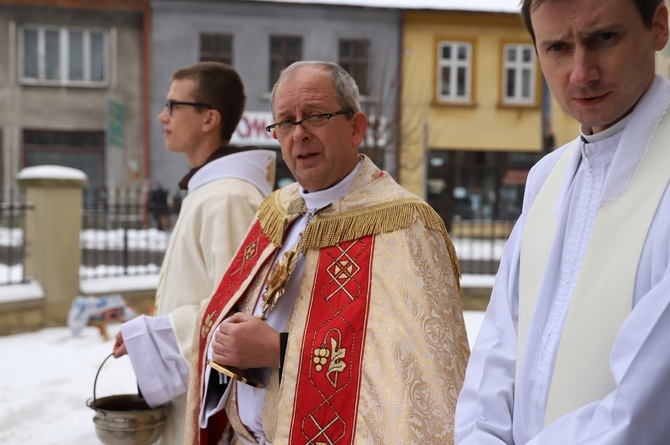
(647, 9)
(220, 86)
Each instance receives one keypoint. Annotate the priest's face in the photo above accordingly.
(598, 56)
(318, 156)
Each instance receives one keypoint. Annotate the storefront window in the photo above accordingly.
(477, 185)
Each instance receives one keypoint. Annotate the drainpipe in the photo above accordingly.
(146, 18)
(146, 25)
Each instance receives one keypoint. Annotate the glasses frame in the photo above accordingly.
(273, 127)
(169, 104)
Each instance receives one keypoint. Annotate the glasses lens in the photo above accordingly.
(318, 120)
(284, 128)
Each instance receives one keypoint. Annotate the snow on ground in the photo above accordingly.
(48, 375)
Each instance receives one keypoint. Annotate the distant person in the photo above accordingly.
(573, 347)
(158, 206)
(366, 343)
(226, 184)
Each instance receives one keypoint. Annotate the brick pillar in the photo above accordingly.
(52, 232)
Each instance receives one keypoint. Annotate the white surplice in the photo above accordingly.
(498, 407)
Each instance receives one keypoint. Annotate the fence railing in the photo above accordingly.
(479, 244)
(12, 245)
(119, 236)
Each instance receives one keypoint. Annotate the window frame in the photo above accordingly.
(352, 62)
(59, 142)
(469, 64)
(518, 66)
(284, 58)
(63, 57)
(219, 55)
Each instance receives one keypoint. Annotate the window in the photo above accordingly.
(519, 74)
(84, 151)
(478, 185)
(63, 56)
(216, 48)
(354, 58)
(454, 71)
(284, 50)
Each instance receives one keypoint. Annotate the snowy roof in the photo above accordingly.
(509, 6)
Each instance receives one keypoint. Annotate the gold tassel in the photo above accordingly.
(326, 231)
(274, 219)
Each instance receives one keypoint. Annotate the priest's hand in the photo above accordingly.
(245, 341)
(119, 348)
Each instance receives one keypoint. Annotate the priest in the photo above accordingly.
(341, 309)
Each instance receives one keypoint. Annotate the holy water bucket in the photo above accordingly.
(126, 419)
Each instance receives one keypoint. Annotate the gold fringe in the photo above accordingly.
(325, 231)
(274, 219)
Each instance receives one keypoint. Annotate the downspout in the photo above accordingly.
(399, 102)
(146, 46)
(146, 18)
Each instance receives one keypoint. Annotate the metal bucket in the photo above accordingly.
(126, 419)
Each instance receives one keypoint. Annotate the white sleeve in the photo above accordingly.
(217, 390)
(486, 402)
(161, 371)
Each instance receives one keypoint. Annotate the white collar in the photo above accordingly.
(606, 133)
(254, 166)
(317, 200)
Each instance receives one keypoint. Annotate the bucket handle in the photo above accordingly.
(95, 382)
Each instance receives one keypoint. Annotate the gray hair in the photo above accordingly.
(346, 90)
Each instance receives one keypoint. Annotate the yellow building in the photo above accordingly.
(472, 112)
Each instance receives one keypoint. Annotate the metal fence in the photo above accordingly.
(479, 244)
(119, 237)
(12, 243)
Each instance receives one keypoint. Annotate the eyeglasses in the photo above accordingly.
(169, 104)
(317, 120)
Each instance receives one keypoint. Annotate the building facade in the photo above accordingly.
(259, 39)
(473, 107)
(72, 88)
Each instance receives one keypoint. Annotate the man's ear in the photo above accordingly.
(359, 127)
(212, 121)
(660, 27)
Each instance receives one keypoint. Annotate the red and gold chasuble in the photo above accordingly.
(317, 400)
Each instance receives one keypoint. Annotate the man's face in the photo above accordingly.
(182, 129)
(597, 56)
(317, 157)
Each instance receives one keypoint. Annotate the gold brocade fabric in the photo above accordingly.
(415, 350)
(416, 347)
